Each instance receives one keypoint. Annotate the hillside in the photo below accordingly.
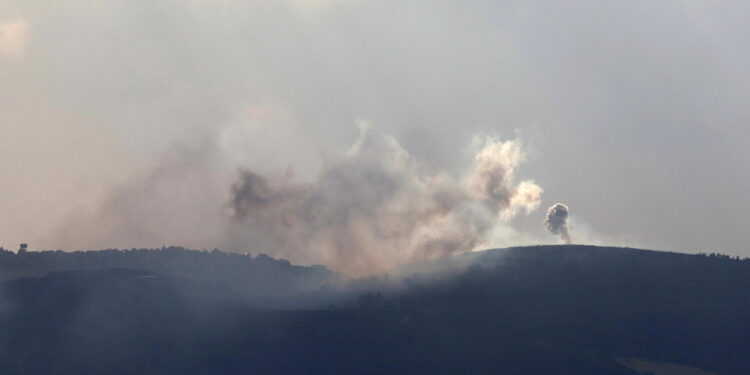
(531, 310)
(258, 276)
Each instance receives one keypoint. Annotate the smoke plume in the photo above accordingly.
(557, 221)
(375, 207)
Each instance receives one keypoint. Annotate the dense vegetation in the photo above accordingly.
(535, 310)
(258, 276)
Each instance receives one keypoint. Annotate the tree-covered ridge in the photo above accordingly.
(259, 275)
(528, 311)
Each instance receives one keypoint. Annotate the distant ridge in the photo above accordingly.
(584, 255)
(257, 276)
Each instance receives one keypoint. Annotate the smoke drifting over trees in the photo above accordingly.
(368, 208)
(375, 206)
(557, 221)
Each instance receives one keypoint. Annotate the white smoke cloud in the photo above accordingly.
(491, 178)
(375, 207)
(368, 209)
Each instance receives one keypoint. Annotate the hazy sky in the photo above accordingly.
(123, 123)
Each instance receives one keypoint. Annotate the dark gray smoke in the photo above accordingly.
(557, 221)
(375, 207)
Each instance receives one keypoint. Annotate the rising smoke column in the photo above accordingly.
(557, 221)
(375, 207)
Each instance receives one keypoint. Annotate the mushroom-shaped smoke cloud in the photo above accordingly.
(557, 221)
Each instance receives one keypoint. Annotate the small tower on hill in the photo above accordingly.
(23, 248)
